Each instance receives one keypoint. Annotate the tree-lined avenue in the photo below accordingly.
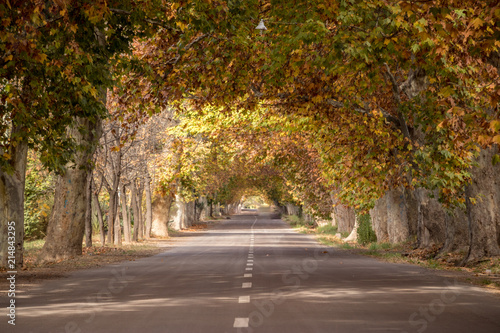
(296, 285)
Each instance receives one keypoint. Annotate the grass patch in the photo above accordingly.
(34, 245)
(347, 246)
(329, 240)
(327, 229)
(385, 246)
(485, 282)
(297, 222)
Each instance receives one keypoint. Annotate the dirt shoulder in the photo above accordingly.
(96, 256)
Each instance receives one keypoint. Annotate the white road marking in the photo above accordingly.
(247, 275)
(248, 268)
(244, 299)
(249, 264)
(246, 285)
(250, 260)
(240, 322)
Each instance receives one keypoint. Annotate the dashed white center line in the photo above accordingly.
(240, 322)
(247, 275)
(250, 260)
(246, 285)
(248, 268)
(249, 264)
(244, 299)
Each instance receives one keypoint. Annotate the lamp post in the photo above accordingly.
(261, 27)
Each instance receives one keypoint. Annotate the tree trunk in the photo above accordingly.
(135, 210)
(149, 209)
(126, 220)
(118, 228)
(483, 216)
(397, 219)
(99, 218)
(179, 213)
(12, 207)
(161, 215)
(140, 191)
(67, 221)
(353, 236)
(88, 213)
(378, 216)
(111, 216)
(345, 218)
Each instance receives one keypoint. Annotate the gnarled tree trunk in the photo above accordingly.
(484, 215)
(397, 219)
(161, 216)
(67, 221)
(12, 206)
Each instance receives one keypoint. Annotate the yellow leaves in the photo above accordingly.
(41, 57)
(183, 26)
(318, 99)
(496, 139)
(495, 125)
(477, 22)
(6, 156)
(446, 92)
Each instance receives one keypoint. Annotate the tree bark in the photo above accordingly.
(126, 220)
(161, 216)
(118, 228)
(67, 221)
(111, 216)
(140, 216)
(12, 206)
(484, 214)
(135, 210)
(397, 219)
(102, 233)
(149, 209)
(88, 213)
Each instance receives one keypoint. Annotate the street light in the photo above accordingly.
(261, 27)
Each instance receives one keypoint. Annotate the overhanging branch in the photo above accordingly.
(385, 114)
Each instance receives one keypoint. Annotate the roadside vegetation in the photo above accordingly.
(484, 273)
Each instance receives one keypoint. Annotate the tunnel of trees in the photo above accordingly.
(123, 115)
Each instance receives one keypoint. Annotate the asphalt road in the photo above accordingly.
(254, 274)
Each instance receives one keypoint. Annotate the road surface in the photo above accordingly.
(254, 274)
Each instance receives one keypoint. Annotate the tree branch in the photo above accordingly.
(397, 96)
(154, 22)
(385, 114)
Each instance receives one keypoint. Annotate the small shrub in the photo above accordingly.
(346, 246)
(366, 234)
(386, 246)
(327, 229)
(295, 221)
